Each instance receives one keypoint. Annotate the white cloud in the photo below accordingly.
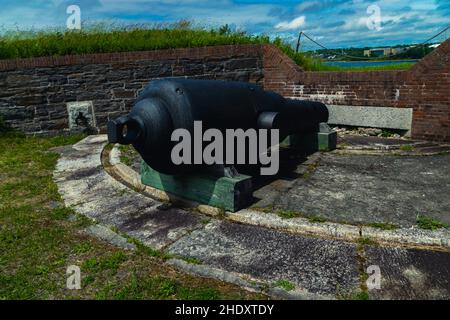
(291, 25)
(308, 5)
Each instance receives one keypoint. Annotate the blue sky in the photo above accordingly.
(335, 23)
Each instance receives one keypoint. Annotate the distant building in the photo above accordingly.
(382, 52)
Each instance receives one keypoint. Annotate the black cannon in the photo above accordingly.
(168, 104)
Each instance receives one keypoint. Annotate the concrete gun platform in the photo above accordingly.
(259, 249)
(367, 189)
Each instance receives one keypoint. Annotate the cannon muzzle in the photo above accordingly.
(124, 130)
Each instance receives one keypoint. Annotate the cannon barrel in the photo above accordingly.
(168, 104)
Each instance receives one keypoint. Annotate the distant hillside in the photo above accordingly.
(410, 52)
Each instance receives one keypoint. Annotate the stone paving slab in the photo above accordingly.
(410, 273)
(358, 144)
(86, 187)
(316, 265)
(106, 234)
(361, 141)
(373, 189)
(158, 228)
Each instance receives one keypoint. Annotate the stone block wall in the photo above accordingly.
(34, 92)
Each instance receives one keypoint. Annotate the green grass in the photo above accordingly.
(104, 38)
(127, 154)
(383, 226)
(395, 66)
(115, 38)
(407, 148)
(309, 171)
(191, 260)
(126, 160)
(289, 214)
(286, 285)
(360, 295)
(83, 247)
(108, 262)
(428, 223)
(363, 241)
(38, 242)
(316, 219)
(158, 288)
(387, 133)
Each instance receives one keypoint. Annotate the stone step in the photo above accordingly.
(354, 144)
(433, 149)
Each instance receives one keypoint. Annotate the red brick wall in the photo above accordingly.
(425, 88)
